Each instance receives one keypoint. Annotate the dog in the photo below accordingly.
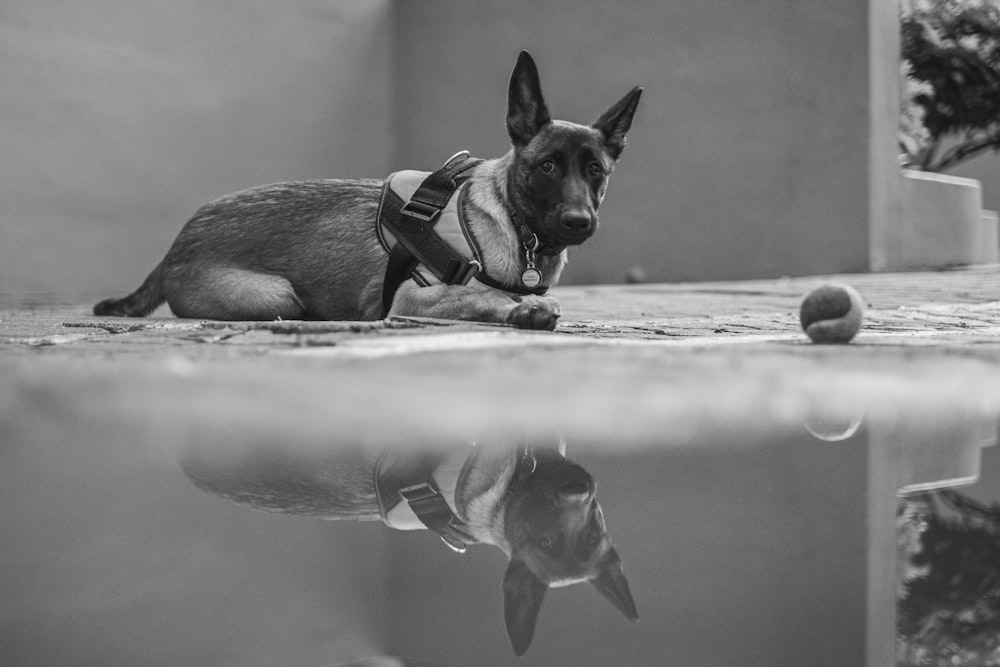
(312, 250)
(530, 501)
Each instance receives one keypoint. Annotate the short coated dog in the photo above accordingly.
(313, 250)
(530, 501)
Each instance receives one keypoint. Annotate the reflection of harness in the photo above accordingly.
(421, 225)
(419, 490)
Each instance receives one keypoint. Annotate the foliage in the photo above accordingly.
(949, 613)
(951, 81)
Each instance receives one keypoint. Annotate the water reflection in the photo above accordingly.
(529, 500)
(949, 612)
(779, 535)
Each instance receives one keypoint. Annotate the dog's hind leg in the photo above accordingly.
(224, 293)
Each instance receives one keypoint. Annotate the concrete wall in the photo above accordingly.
(986, 169)
(941, 223)
(121, 118)
(750, 152)
(749, 156)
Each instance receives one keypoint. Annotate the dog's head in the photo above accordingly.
(556, 533)
(561, 169)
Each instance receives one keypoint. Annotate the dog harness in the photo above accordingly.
(421, 225)
(419, 490)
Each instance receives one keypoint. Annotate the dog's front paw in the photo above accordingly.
(534, 312)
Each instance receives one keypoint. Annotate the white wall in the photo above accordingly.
(120, 118)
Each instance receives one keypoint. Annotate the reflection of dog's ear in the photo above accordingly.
(611, 583)
(522, 597)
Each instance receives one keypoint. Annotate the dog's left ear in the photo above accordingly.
(617, 120)
(522, 598)
(611, 583)
(526, 109)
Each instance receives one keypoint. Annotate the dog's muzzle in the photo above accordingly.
(574, 226)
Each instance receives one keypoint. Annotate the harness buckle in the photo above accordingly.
(460, 155)
(453, 543)
(432, 510)
(418, 492)
(420, 211)
(460, 273)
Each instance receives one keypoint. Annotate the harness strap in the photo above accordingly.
(433, 511)
(411, 479)
(416, 242)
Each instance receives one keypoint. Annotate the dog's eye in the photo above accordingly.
(596, 169)
(548, 166)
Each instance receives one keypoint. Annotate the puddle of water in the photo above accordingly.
(159, 511)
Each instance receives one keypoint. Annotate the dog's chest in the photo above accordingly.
(398, 473)
(449, 225)
(479, 230)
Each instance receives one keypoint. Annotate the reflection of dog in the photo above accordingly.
(314, 249)
(533, 503)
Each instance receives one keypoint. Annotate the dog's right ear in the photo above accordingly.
(522, 598)
(526, 109)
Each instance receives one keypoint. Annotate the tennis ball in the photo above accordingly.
(635, 275)
(832, 313)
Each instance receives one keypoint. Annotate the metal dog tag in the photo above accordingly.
(531, 277)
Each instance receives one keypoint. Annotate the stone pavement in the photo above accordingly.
(628, 357)
(942, 309)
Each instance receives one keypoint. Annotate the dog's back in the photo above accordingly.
(330, 484)
(272, 251)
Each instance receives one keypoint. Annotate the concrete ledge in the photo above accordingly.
(941, 223)
(990, 239)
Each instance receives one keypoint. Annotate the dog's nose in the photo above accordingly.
(576, 221)
(574, 491)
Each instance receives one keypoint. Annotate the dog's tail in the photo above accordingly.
(139, 303)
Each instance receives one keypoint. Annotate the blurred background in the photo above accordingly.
(765, 143)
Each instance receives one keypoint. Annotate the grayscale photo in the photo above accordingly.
(439, 333)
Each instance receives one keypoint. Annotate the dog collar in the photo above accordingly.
(530, 241)
(525, 467)
(531, 277)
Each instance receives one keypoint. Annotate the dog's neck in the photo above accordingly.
(480, 495)
(483, 495)
(488, 193)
